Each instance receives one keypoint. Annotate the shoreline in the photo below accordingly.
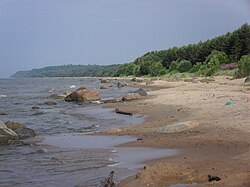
(219, 145)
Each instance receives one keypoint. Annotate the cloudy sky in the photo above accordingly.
(38, 33)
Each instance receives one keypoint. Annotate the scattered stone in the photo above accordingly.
(110, 101)
(50, 103)
(247, 80)
(132, 96)
(103, 81)
(35, 107)
(122, 112)
(149, 83)
(178, 127)
(38, 113)
(103, 87)
(120, 85)
(83, 94)
(6, 135)
(141, 92)
(145, 167)
(213, 178)
(138, 139)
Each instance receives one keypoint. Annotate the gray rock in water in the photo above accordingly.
(141, 92)
(132, 96)
(247, 80)
(58, 96)
(13, 125)
(6, 134)
(25, 132)
(22, 131)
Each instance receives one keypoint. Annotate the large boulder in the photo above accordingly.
(13, 125)
(141, 92)
(6, 134)
(247, 80)
(83, 94)
(131, 96)
(22, 131)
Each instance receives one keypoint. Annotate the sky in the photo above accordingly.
(39, 33)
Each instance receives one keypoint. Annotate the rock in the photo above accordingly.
(13, 125)
(35, 107)
(103, 87)
(22, 131)
(149, 83)
(50, 103)
(83, 94)
(3, 113)
(247, 80)
(136, 80)
(58, 96)
(6, 135)
(103, 81)
(25, 132)
(120, 85)
(178, 127)
(110, 101)
(132, 96)
(141, 92)
(213, 178)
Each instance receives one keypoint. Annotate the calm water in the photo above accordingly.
(62, 154)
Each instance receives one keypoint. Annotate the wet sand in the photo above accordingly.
(219, 145)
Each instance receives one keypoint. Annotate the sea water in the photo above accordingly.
(63, 153)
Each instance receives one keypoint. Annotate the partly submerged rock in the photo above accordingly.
(131, 96)
(22, 131)
(110, 101)
(83, 94)
(13, 125)
(178, 127)
(103, 87)
(141, 92)
(50, 103)
(3, 113)
(6, 134)
(25, 132)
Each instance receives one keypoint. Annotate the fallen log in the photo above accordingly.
(122, 112)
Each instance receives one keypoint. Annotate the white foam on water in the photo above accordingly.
(3, 95)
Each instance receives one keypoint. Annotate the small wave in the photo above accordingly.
(3, 95)
(116, 164)
(72, 86)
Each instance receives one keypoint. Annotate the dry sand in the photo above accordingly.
(217, 142)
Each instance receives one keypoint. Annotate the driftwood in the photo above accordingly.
(122, 112)
(213, 178)
(109, 181)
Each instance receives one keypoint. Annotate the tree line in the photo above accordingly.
(204, 57)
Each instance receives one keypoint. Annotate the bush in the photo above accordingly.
(228, 66)
(184, 66)
(244, 66)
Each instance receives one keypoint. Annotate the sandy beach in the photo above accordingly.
(206, 119)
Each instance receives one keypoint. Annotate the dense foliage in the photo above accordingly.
(244, 66)
(205, 57)
(70, 71)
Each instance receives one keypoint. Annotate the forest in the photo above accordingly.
(70, 71)
(229, 53)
